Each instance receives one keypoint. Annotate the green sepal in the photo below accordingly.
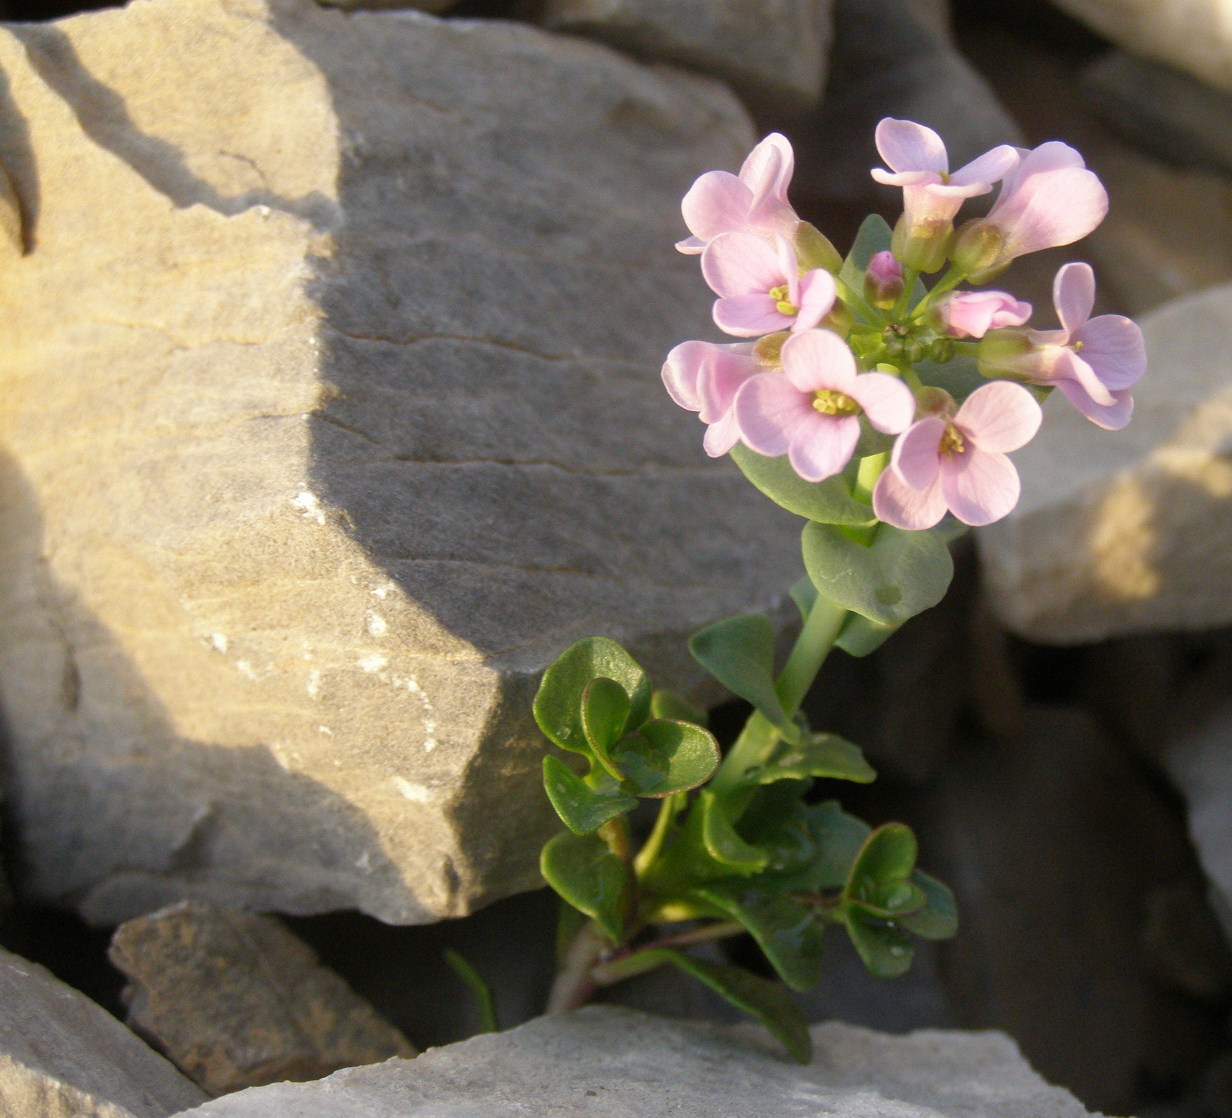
(590, 877)
(721, 840)
(817, 755)
(787, 931)
(739, 653)
(558, 703)
(938, 919)
(667, 704)
(583, 807)
(666, 755)
(828, 502)
(897, 576)
(859, 635)
(761, 998)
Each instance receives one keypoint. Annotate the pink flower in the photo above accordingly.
(920, 165)
(811, 411)
(971, 314)
(1092, 362)
(959, 462)
(1049, 199)
(705, 378)
(754, 201)
(883, 280)
(760, 288)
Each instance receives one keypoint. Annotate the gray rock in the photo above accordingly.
(356, 424)
(621, 1064)
(1126, 531)
(62, 1056)
(771, 51)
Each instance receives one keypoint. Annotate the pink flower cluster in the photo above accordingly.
(795, 386)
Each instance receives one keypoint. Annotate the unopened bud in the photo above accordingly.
(922, 245)
(839, 319)
(931, 400)
(768, 351)
(883, 281)
(1001, 354)
(814, 250)
(977, 249)
(941, 351)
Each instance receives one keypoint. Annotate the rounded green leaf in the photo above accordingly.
(829, 501)
(886, 950)
(817, 755)
(667, 704)
(739, 653)
(583, 808)
(605, 714)
(590, 877)
(899, 575)
(886, 858)
(860, 636)
(722, 842)
(558, 703)
(666, 756)
(938, 919)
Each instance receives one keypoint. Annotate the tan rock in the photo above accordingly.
(1121, 532)
(332, 413)
(62, 1056)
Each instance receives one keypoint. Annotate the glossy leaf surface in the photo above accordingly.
(739, 653)
(558, 703)
(666, 756)
(590, 877)
(581, 807)
(829, 501)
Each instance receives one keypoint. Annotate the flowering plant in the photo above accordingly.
(882, 411)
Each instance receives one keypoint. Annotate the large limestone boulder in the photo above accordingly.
(1127, 531)
(621, 1064)
(330, 414)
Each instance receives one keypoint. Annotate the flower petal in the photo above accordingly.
(971, 314)
(741, 263)
(978, 487)
(999, 416)
(750, 316)
(916, 458)
(816, 295)
(721, 435)
(821, 447)
(728, 367)
(988, 168)
(905, 507)
(1073, 295)
(1112, 345)
(1048, 210)
(718, 202)
(1111, 417)
(818, 359)
(907, 146)
(1072, 369)
(886, 400)
(768, 410)
(767, 172)
(682, 372)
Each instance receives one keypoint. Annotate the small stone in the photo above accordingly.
(1127, 531)
(62, 1056)
(235, 1000)
(770, 51)
(617, 1063)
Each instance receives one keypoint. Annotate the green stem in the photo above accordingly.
(643, 959)
(669, 808)
(943, 286)
(813, 645)
(574, 983)
(870, 469)
(910, 275)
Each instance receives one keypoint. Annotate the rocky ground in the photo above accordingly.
(330, 412)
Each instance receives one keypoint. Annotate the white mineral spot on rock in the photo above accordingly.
(246, 670)
(314, 684)
(373, 663)
(325, 730)
(376, 625)
(309, 506)
(416, 793)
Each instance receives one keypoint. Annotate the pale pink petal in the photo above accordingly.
(816, 294)
(718, 202)
(682, 372)
(1111, 417)
(886, 400)
(1073, 369)
(1073, 295)
(957, 191)
(740, 263)
(971, 314)
(904, 507)
(1048, 210)
(916, 457)
(1112, 345)
(1052, 156)
(721, 435)
(818, 359)
(767, 172)
(768, 410)
(821, 447)
(725, 372)
(929, 203)
(978, 487)
(904, 178)
(988, 168)
(907, 146)
(750, 316)
(999, 416)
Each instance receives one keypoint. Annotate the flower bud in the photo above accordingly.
(814, 250)
(977, 250)
(921, 245)
(883, 281)
(768, 350)
(1001, 354)
(931, 400)
(839, 320)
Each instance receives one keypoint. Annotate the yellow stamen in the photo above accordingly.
(830, 402)
(1076, 347)
(781, 303)
(952, 441)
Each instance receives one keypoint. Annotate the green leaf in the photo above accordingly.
(666, 756)
(898, 576)
(860, 636)
(558, 703)
(886, 950)
(739, 653)
(885, 860)
(581, 807)
(960, 376)
(938, 919)
(764, 1000)
(828, 502)
(812, 847)
(605, 713)
(787, 931)
(838, 837)
(721, 840)
(590, 877)
(818, 755)
(475, 983)
(804, 594)
(873, 236)
(667, 704)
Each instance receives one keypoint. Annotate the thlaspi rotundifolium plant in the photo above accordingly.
(881, 411)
